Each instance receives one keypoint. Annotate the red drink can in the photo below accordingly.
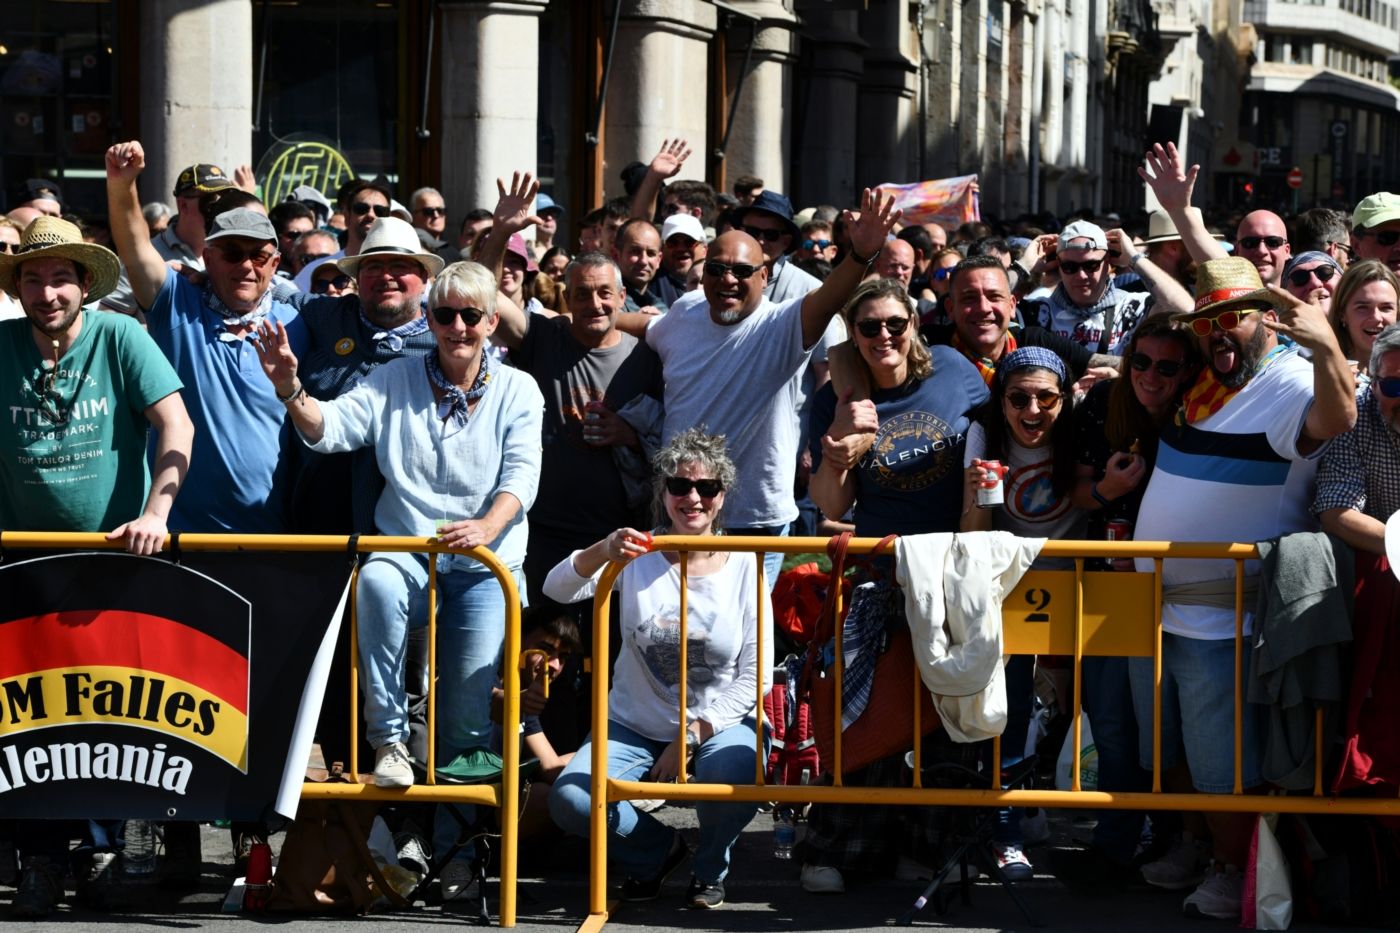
(1120, 529)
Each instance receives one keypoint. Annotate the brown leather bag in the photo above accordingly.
(886, 726)
(326, 866)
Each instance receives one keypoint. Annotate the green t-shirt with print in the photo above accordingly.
(73, 452)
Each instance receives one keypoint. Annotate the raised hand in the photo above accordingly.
(871, 227)
(513, 207)
(125, 161)
(1304, 322)
(1167, 176)
(245, 180)
(667, 163)
(275, 354)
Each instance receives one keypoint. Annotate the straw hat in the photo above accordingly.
(1231, 282)
(392, 238)
(53, 236)
(1161, 229)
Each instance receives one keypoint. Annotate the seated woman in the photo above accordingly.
(723, 608)
(460, 435)
(1028, 427)
(920, 409)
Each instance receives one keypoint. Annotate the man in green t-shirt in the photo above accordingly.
(84, 388)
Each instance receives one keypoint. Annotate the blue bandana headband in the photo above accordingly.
(1024, 357)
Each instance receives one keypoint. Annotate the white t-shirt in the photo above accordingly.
(1031, 509)
(1234, 476)
(740, 380)
(721, 637)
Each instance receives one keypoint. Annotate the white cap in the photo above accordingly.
(1073, 235)
(681, 222)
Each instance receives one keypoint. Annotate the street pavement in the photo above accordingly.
(763, 894)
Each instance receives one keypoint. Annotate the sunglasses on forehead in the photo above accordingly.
(445, 315)
(681, 486)
(1299, 277)
(1252, 242)
(758, 233)
(361, 208)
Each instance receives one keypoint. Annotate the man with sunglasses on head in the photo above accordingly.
(1375, 229)
(1236, 463)
(182, 240)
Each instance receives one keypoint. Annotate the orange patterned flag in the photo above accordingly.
(945, 201)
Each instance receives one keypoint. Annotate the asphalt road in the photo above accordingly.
(763, 895)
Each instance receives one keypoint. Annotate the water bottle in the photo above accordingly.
(784, 832)
(139, 855)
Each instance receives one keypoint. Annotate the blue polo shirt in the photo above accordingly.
(237, 475)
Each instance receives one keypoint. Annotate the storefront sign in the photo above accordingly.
(292, 163)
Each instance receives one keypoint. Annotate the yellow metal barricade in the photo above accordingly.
(1069, 613)
(502, 796)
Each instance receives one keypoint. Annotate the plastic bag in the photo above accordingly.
(1267, 900)
(381, 846)
(1088, 759)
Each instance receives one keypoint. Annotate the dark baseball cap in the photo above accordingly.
(36, 189)
(201, 178)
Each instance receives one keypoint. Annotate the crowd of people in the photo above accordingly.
(696, 362)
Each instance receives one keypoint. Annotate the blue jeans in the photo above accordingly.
(638, 841)
(1020, 701)
(1107, 698)
(392, 595)
(772, 560)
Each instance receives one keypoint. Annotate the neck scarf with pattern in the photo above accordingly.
(230, 318)
(985, 365)
(394, 338)
(454, 408)
(1208, 394)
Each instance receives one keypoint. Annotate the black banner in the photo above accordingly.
(136, 687)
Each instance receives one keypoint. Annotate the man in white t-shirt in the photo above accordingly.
(1235, 464)
(732, 361)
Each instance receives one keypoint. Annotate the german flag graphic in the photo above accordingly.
(110, 653)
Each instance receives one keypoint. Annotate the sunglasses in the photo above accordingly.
(237, 255)
(719, 270)
(11, 248)
(321, 286)
(1272, 242)
(431, 211)
(470, 316)
(1346, 248)
(681, 486)
(1383, 237)
(1165, 368)
(306, 258)
(945, 273)
(1087, 266)
(361, 208)
(1389, 387)
(1047, 400)
(758, 233)
(1226, 320)
(815, 244)
(870, 327)
(1299, 277)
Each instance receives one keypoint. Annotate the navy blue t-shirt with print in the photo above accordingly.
(910, 481)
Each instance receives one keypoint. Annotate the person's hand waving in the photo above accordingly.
(871, 227)
(513, 207)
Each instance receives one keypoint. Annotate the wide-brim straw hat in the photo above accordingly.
(1226, 283)
(54, 237)
(391, 238)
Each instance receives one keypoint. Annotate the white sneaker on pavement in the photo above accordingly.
(821, 879)
(1218, 895)
(1180, 868)
(392, 767)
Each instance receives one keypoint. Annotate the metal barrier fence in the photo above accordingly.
(499, 796)
(1049, 613)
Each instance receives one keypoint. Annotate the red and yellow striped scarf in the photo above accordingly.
(1208, 395)
(984, 365)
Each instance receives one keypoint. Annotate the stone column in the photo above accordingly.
(759, 142)
(194, 110)
(659, 85)
(886, 128)
(490, 94)
(826, 97)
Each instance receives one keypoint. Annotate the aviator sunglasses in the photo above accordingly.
(681, 486)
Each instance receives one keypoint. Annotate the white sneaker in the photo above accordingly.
(649, 805)
(1012, 861)
(392, 767)
(1218, 895)
(1180, 868)
(821, 879)
(458, 881)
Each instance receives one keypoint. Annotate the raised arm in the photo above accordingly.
(868, 233)
(279, 363)
(665, 164)
(511, 323)
(1172, 183)
(1333, 409)
(1170, 297)
(144, 267)
(512, 215)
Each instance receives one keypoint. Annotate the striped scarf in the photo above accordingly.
(1208, 394)
(985, 365)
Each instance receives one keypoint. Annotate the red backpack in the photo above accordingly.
(794, 747)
